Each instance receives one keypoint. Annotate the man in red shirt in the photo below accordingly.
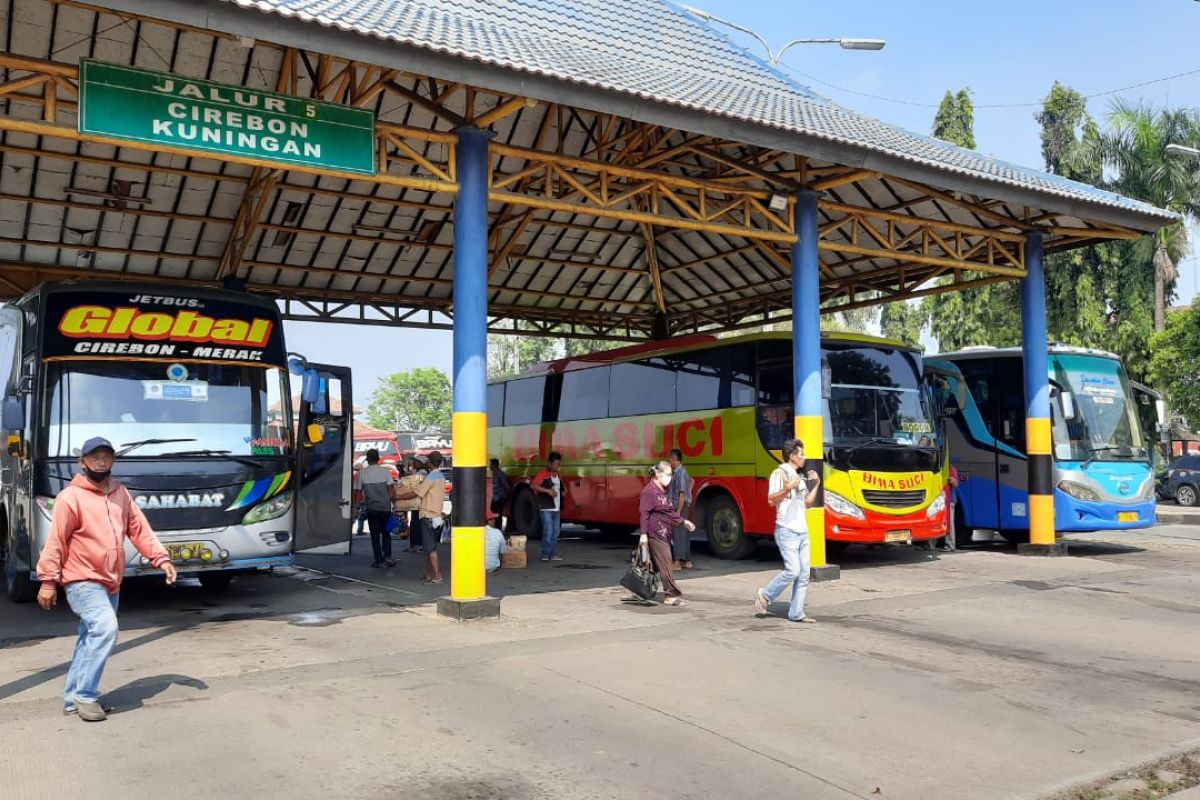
(86, 554)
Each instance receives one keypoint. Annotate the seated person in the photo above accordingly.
(494, 543)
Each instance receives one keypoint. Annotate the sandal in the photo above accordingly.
(677, 602)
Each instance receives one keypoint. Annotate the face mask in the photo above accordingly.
(96, 476)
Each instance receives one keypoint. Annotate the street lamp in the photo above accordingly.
(773, 56)
(1182, 150)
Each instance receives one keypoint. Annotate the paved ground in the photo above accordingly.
(975, 674)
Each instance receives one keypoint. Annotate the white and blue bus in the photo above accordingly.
(192, 388)
(1103, 479)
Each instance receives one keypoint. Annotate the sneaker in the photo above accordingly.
(807, 620)
(556, 558)
(90, 711)
(391, 562)
(545, 558)
(760, 602)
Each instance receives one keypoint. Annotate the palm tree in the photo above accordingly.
(1133, 152)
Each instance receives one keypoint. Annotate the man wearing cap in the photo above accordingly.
(85, 553)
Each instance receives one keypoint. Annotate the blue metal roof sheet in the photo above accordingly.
(655, 50)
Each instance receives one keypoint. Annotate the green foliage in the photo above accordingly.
(902, 320)
(414, 400)
(512, 354)
(583, 347)
(983, 315)
(955, 119)
(1068, 135)
(1175, 366)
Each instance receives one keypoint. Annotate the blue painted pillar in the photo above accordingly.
(806, 360)
(1037, 398)
(467, 571)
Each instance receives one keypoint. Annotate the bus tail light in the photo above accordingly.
(840, 505)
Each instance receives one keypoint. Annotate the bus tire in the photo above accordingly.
(1185, 495)
(1015, 537)
(727, 536)
(18, 586)
(524, 515)
(215, 581)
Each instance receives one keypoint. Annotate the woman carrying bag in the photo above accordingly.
(658, 520)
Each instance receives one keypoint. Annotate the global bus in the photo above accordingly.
(1102, 474)
(727, 405)
(192, 387)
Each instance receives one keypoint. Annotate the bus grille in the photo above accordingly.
(894, 499)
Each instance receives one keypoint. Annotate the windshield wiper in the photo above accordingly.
(1094, 451)
(128, 446)
(222, 453)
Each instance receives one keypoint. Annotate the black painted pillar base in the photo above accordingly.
(484, 608)
(1056, 549)
(829, 572)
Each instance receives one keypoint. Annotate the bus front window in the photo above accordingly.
(225, 409)
(875, 395)
(1104, 426)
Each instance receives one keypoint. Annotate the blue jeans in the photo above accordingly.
(97, 612)
(550, 526)
(796, 564)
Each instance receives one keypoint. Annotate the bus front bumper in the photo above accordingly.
(1077, 516)
(880, 528)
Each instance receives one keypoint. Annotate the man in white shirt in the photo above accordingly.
(374, 484)
(791, 498)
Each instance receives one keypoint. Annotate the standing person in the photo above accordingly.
(549, 488)
(679, 493)
(431, 492)
(950, 540)
(499, 491)
(791, 498)
(373, 484)
(85, 553)
(659, 518)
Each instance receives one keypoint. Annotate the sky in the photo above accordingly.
(1009, 54)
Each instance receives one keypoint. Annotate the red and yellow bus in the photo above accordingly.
(727, 405)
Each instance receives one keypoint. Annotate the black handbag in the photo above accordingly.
(639, 578)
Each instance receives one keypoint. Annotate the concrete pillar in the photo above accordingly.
(1037, 404)
(806, 369)
(468, 580)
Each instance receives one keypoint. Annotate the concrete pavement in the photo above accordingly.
(976, 674)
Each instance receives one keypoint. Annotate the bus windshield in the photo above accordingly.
(1105, 425)
(192, 408)
(875, 395)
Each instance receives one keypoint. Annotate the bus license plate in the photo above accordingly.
(1127, 516)
(898, 536)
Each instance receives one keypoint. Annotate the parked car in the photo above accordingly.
(1181, 481)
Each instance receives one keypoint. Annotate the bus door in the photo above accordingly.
(1012, 465)
(976, 459)
(324, 466)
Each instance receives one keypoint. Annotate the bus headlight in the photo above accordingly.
(937, 506)
(274, 508)
(1147, 490)
(1079, 491)
(840, 505)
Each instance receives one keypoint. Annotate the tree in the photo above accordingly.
(1175, 366)
(986, 314)
(1067, 133)
(1134, 151)
(413, 400)
(955, 119)
(902, 320)
(512, 354)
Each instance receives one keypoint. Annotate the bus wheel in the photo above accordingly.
(18, 586)
(524, 515)
(215, 581)
(1015, 537)
(726, 536)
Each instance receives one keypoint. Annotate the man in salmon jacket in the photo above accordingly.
(92, 517)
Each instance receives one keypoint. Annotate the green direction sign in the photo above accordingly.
(155, 107)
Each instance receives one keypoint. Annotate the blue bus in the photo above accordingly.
(1103, 479)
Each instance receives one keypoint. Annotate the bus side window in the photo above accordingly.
(523, 401)
(495, 404)
(1009, 385)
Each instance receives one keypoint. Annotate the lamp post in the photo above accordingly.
(773, 56)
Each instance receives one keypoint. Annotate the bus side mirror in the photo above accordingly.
(315, 434)
(311, 390)
(13, 414)
(1068, 404)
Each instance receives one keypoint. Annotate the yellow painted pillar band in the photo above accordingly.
(467, 572)
(1041, 519)
(810, 430)
(469, 429)
(1037, 436)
